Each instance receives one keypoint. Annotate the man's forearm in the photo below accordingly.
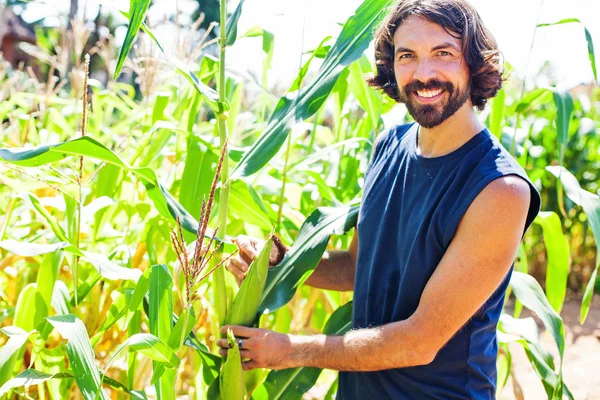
(335, 271)
(395, 345)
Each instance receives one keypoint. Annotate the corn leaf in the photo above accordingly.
(305, 254)
(25, 309)
(369, 100)
(118, 309)
(80, 354)
(496, 118)
(232, 23)
(210, 96)
(350, 45)
(34, 377)
(150, 346)
(137, 13)
(30, 377)
(590, 203)
(90, 148)
(291, 384)
(564, 110)
(529, 292)
(10, 353)
(106, 268)
(160, 319)
(197, 175)
(557, 269)
(247, 206)
(588, 38)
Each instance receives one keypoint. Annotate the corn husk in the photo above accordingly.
(246, 302)
(231, 384)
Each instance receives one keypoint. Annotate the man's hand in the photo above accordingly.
(249, 248)
(261, 348)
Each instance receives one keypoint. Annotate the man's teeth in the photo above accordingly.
(429, 93)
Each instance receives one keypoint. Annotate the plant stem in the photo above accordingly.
(9, 211)
(80, 176)
(219, 274)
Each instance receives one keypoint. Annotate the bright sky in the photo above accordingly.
(512, 22)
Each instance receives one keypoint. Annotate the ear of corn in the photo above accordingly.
(246, 302)
(231, 382)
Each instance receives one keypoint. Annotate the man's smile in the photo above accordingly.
(428, 96)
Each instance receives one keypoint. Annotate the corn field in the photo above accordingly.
(120, 203)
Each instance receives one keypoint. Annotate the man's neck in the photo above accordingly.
(449, 135)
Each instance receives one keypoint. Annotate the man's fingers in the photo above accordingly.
(248, 248)
(238, 331)
(241, 265)
(243, 353)
(248, 365)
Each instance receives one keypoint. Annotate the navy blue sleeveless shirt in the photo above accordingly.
(410, 211)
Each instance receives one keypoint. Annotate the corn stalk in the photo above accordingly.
(219, 273)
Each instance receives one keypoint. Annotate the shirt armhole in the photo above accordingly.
(534, 204)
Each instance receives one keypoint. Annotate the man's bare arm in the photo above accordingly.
(473, 266)
(337, 269)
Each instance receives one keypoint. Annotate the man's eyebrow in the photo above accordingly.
(445, 46)
(441, 46)
(402, 50)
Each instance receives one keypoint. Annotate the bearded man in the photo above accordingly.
(444, 209)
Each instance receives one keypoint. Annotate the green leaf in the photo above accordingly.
(80, 354)
(247, 206)
(10, 352)
(150, 346)
(106, 268)
(368, 98)
(34, 377)
(25, 309)
(532, 99)
(137, 13)
(245, 304)
(146, 30)
(557, 248)
(496, 119)
(118, 308)
(590, 203)
(47, 276)
(232, 23)
(90, 148)
(305, 254)
(56, 228)
(291, 384)
(160, 319)
(200, 166)
(588, 38)
(529, 292)
(350, 45)
(30, 377)
(564, 110)
(210, 96)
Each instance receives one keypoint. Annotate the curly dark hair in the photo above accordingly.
(461, 21)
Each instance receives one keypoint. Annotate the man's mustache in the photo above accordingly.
(433, 84)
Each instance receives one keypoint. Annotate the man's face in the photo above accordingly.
(431, 72)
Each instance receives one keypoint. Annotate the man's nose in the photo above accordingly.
(425, 71)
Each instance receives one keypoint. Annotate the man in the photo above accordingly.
(444, 209)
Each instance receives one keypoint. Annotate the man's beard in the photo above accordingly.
(431, 115)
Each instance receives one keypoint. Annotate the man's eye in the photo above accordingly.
(404, 56)
(444, 53)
